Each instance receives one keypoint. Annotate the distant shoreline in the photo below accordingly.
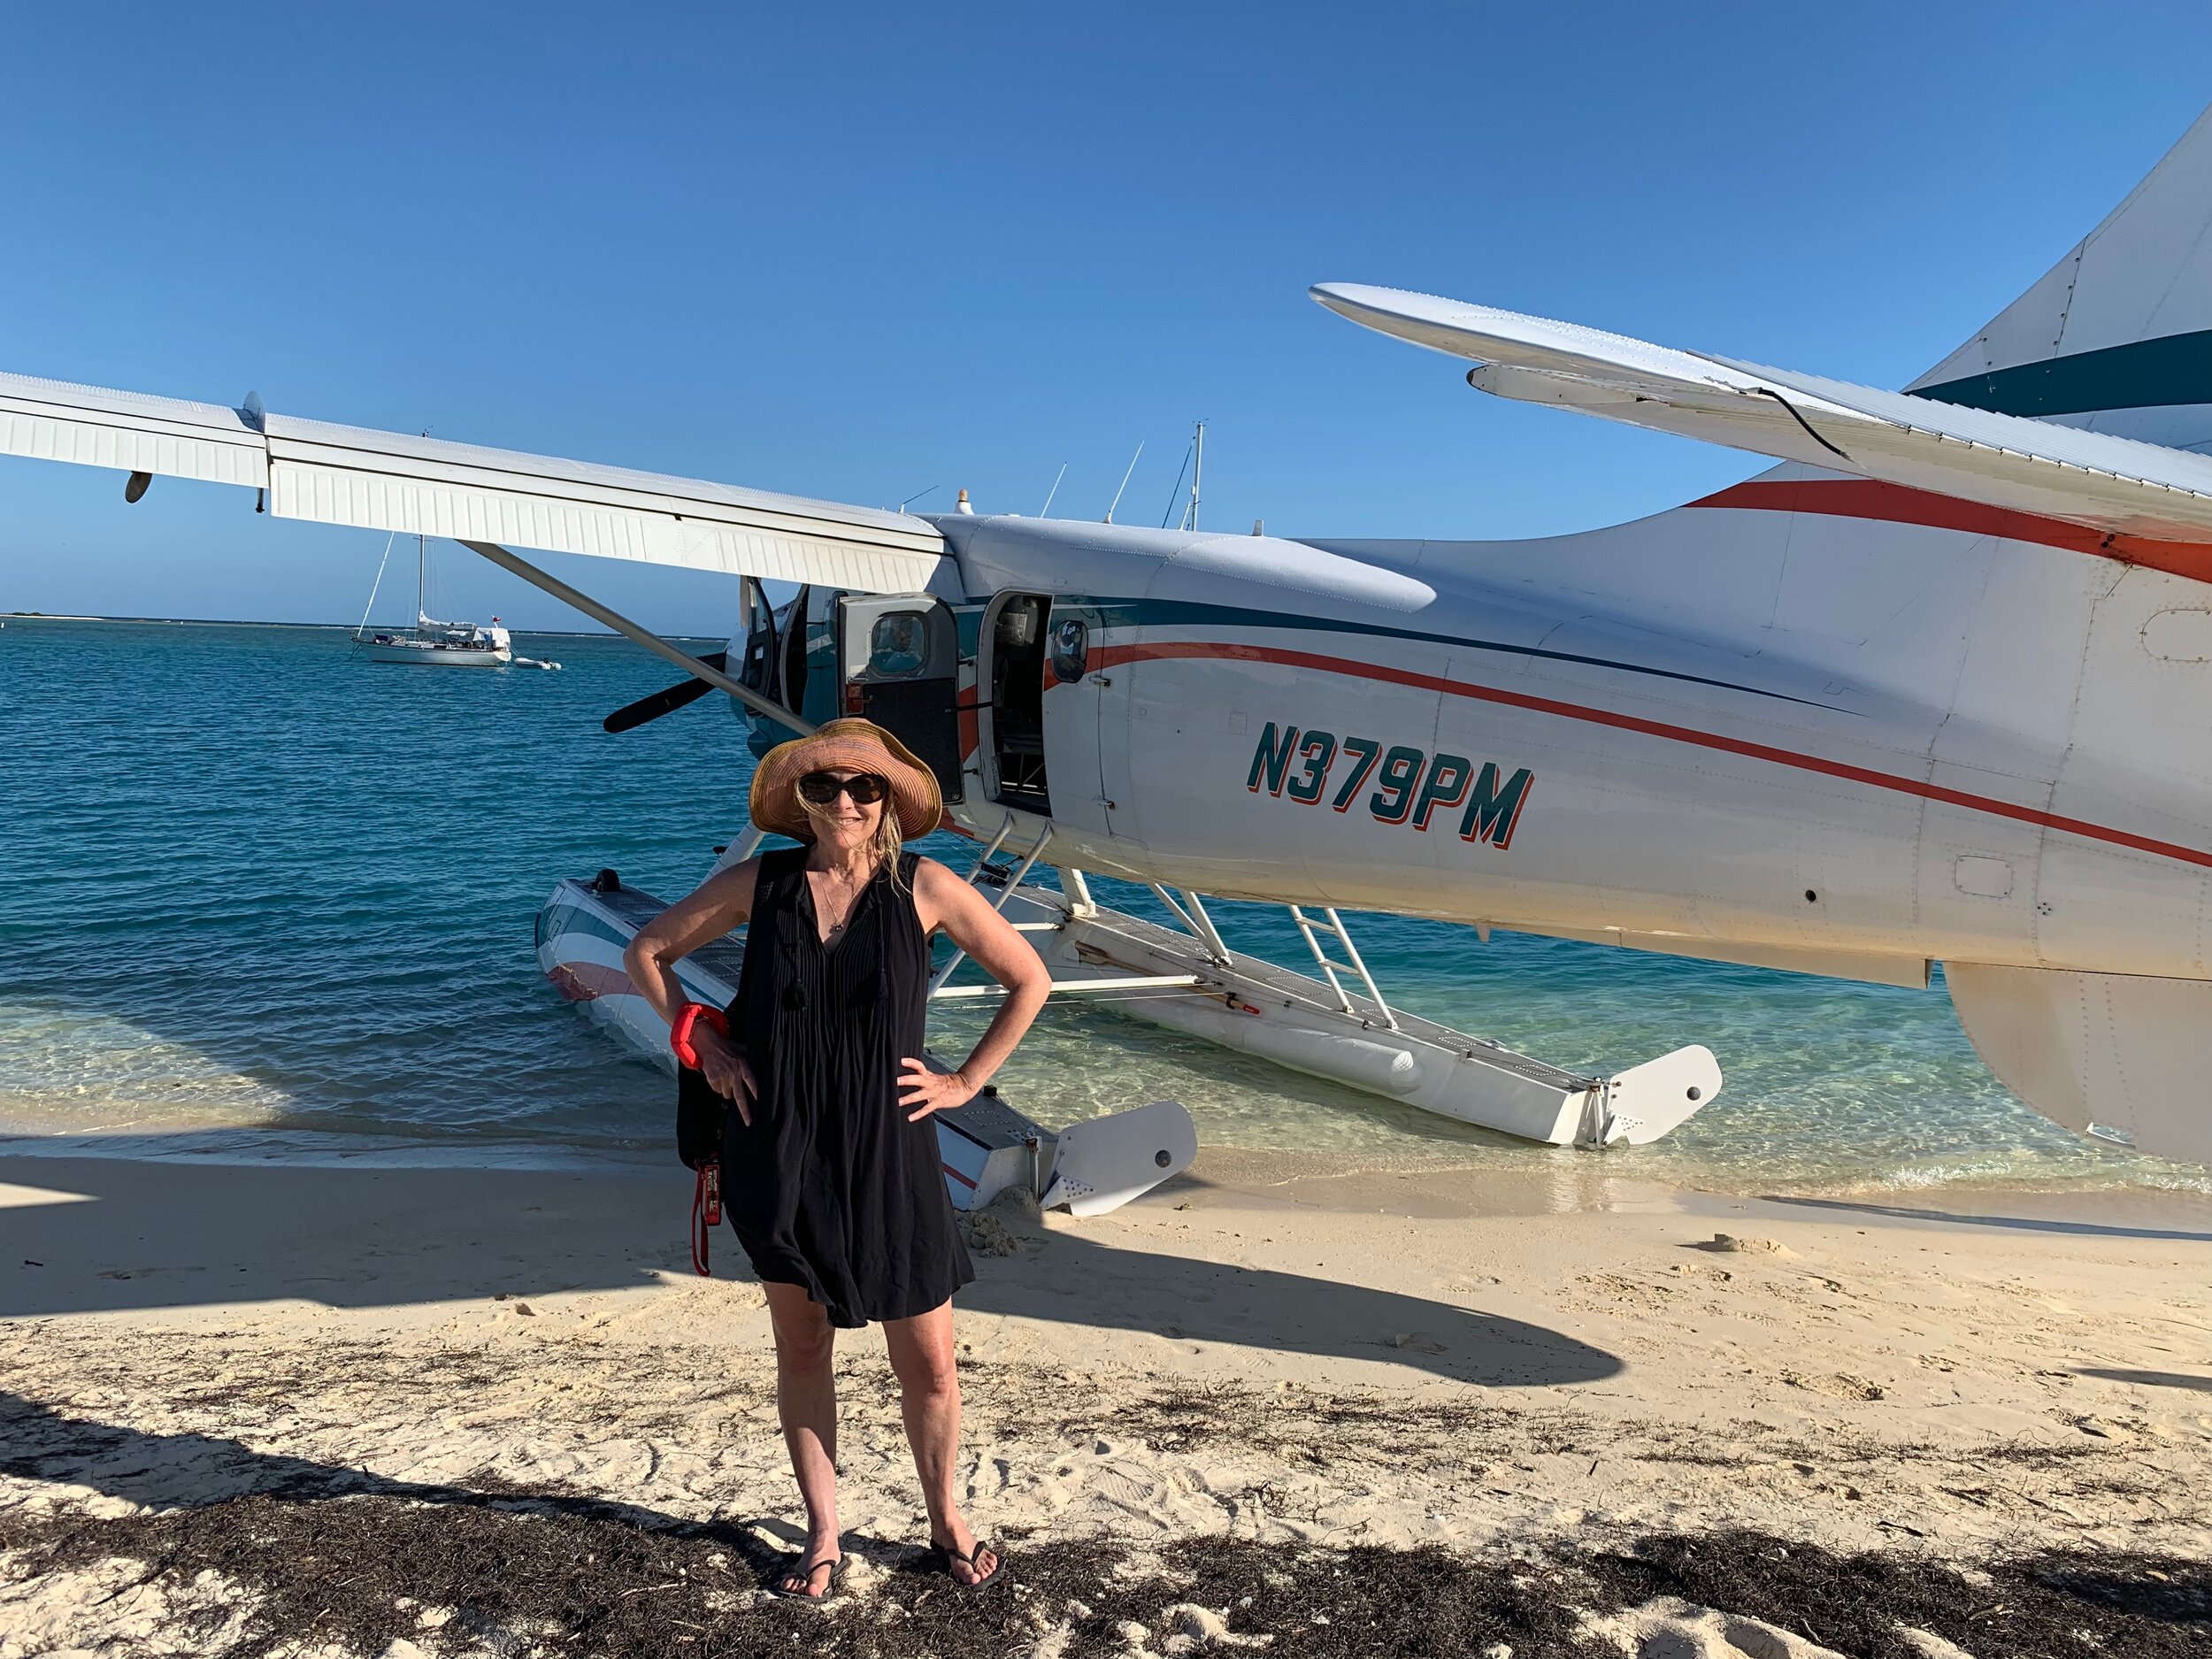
(341, 628)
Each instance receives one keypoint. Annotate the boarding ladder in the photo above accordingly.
(1332, 970)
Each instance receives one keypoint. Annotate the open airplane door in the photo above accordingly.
(1080, 715)
(898, 655)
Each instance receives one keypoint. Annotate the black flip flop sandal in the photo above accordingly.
(942, 1555)
(804, 1573)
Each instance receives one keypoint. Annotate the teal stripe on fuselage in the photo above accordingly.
(1184, 613)
(2141, 375)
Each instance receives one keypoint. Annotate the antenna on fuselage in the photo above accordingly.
(916, 496)
(1045, 510)
(1125, 484)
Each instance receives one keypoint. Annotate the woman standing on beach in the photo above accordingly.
(830, 1169)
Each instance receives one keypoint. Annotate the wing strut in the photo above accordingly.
(639, 634)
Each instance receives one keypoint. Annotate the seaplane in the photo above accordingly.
(1935, 688)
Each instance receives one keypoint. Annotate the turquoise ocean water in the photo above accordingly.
(261, 897)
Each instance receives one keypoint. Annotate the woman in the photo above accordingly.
(830, 1168)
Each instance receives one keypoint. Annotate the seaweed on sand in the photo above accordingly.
(527, 1574)
(532, 1573)
(2072, 1602)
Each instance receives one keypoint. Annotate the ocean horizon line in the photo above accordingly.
(342, 627)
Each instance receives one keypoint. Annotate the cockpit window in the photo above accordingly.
(898, 645)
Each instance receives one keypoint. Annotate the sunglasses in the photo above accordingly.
(822, 788)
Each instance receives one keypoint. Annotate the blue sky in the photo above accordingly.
(852, 252)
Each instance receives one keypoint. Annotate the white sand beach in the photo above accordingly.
(1261, 1350)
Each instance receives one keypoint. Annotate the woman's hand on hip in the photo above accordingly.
(724, 1070)
(923, 1091)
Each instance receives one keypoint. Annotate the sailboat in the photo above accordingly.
(430, 642)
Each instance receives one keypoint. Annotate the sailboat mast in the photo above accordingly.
(422, 571)
(1196, 459)
(1198, 469)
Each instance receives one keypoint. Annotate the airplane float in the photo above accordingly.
(1933, 689)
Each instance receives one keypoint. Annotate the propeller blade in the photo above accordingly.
(632, 715)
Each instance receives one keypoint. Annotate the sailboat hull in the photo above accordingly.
(427, 656)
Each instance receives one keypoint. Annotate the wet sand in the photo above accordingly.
(1462, 1369)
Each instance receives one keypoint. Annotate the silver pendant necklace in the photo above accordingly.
(838, 927)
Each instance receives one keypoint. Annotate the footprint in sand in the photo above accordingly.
(1693, 1270)
(1735, 1244)
(1839, 1385)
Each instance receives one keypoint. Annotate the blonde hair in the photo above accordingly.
(888, 842)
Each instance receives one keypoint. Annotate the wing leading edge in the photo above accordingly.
(2113, 484)
(383, 481)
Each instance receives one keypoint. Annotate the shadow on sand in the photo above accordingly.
(2148, 1379)
(2021, 1224)
(180, 1471)
(80, 1235)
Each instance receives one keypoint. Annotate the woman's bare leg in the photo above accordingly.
(806, 1400)
(929, 1401)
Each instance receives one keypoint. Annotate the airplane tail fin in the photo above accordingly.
(2116, 336)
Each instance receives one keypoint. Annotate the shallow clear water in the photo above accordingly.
(252, 885)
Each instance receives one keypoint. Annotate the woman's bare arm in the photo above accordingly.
(941, 899)
(706, 913)
(722, 901)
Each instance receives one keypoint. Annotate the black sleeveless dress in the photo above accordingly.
(831, 1187)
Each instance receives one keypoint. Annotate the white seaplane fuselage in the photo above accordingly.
(1869, 738)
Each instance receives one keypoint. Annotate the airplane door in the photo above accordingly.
(1114, 688)
(898, 656)
(1087, 726)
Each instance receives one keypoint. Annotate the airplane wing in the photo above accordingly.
(384, 480)
(2114, 485)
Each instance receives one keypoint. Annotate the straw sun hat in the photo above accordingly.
(844, 745)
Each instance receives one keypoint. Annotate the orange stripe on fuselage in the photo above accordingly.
(1895, 503)
(1892, 781)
